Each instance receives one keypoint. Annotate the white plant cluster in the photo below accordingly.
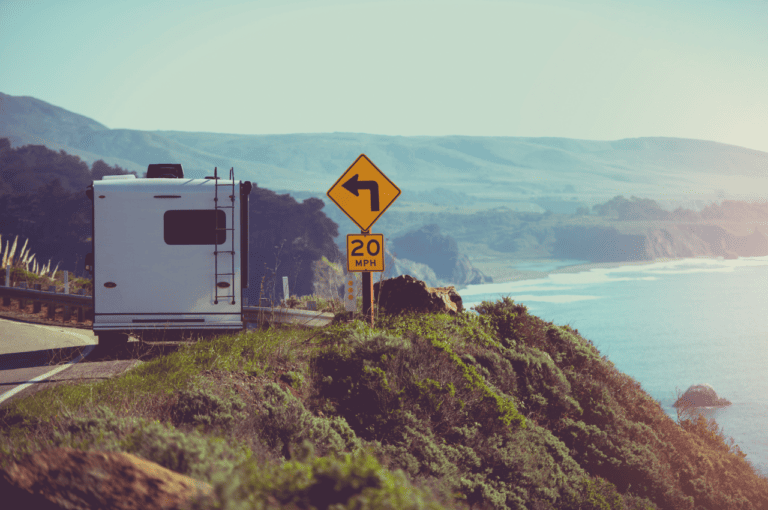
(25, 259)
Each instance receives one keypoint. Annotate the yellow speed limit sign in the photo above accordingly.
(365, 252)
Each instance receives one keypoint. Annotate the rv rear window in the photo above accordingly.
(196, 226)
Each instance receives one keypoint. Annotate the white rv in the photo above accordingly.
(170, 254)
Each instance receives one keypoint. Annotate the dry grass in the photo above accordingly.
(24, 268)
(25, 259)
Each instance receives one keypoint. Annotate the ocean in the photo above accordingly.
(669, 325)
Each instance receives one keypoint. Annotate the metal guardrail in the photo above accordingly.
(82, 306)
(264, 314)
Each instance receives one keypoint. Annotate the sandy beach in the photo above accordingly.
(504, 271)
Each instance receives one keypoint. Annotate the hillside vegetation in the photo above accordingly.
(497, 410)
(42, 199)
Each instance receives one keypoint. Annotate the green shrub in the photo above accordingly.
(99, 429)
(199, 405)
(294, 379)
(284, 423)
(596, 494)
(503, 318)
(357, 482)
(189, 453)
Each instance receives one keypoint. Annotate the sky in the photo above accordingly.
(586, 69)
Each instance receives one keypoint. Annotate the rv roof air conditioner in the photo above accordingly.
(165, 170)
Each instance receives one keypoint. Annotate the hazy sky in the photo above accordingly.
(590, 69)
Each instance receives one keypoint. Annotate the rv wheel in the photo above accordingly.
(113, 339)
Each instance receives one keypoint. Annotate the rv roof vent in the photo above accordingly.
(167, 170)
(110, 177)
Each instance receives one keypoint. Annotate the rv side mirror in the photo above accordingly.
(89, 263)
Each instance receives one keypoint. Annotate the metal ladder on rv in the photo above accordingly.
(216, 250)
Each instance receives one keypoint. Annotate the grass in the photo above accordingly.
(146, 406)
(497, 410)
(165, 374)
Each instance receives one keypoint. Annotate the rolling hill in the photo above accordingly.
(530, 173)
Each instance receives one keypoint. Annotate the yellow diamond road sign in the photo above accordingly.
(363, 192)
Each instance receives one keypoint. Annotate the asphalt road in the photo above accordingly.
(34, 356)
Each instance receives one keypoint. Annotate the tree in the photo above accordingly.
(286, 237)
(100, 168)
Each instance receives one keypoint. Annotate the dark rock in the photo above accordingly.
(64, 478)
(405, 293)
(701, 395)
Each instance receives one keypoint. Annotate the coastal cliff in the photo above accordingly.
(638, 229)
(620, 230)
(630, 241)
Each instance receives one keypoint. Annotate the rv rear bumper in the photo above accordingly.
(151, 332)
(144, 325)
(97, 328)
(175, 322)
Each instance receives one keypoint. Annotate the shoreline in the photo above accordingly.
(503, 271)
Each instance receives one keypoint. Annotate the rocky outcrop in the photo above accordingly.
(407, 294)
(64, 478)
(441, 253)
(701, 395)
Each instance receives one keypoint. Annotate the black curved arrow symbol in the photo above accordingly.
(354, 186)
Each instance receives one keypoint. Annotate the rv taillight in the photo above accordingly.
(222, 285)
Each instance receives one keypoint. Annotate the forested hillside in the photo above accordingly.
(42, 198)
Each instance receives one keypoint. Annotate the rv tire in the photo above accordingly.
(113, 339)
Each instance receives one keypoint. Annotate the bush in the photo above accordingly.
(199, 405)
(190, 453)
(596, 494)
(284, 423)
(340, 482)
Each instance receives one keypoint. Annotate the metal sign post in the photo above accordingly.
(368, 297)
(363, 193)
(363, 253)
